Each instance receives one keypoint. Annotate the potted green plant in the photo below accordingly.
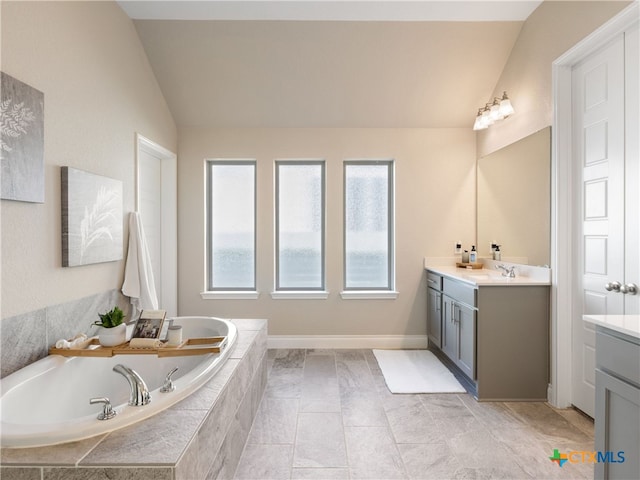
(113, 331)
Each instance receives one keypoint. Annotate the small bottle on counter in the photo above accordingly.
(497, 255)
(465, 256)
(473, 255)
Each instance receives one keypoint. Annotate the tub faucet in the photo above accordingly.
(140, 394)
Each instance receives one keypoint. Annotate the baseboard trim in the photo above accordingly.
(347, 341)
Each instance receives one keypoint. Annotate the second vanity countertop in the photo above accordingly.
(488, 275)
(627, 324)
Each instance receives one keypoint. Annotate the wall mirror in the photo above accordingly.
(514, 200)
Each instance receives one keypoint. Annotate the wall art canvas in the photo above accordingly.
(21, 141)
(92, 218)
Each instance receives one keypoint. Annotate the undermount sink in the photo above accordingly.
(479, 276)
(486, 276)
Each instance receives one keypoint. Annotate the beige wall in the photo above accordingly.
(435, 206)
(98, 91)
(552, 29)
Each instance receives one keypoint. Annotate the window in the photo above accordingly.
(299, 199)
(368, 225)
(231, 225)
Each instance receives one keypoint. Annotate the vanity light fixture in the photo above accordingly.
(499, 109)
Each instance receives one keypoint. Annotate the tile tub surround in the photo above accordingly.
(201, 437)
(27, 338)
(369, 433)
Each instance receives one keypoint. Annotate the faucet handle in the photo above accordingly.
(107, 410)
(168, 384)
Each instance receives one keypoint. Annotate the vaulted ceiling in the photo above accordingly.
(258, 66)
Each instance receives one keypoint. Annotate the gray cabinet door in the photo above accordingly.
(465, 318)
(434, 316)
(449, 329)
(617, 427)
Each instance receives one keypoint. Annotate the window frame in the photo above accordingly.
(228, 292)
(300, 292)
(387, 291)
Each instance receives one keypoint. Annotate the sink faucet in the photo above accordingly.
(507, 271)
(140, 394)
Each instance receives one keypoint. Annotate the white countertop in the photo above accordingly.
(525, 274)
(627, 324)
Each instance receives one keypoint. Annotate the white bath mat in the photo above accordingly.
(416, 371)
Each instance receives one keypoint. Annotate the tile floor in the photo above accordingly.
(327, 414)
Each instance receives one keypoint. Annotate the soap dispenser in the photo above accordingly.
(473, 254)
(497, 255)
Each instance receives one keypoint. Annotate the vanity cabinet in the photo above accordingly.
(617, 414)
(459, 327)
(495, 338)
(434, 308)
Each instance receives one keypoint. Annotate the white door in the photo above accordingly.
(149, 207)
(632, 167)
(156, 202)
(598, 98)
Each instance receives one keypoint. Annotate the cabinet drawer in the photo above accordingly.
(618, 356)
(460, 292)
(434, 280)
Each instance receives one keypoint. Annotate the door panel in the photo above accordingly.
(598, 146)
(150, 201)
(466, 320)
(156, 201)
(434, 318)
(449, 330)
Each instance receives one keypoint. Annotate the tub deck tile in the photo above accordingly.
(107, 474)
(246, 324)
(20, 473)
(243, 344)
(65, 454)
(159, 440)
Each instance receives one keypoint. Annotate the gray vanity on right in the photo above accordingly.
(491, 330)
(617, 421)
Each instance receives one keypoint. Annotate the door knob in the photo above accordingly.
(613, 286)
(629, 288)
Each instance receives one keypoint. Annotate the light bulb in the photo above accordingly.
(495, 111)
(479, 124)
(506, 108)
(486, 115)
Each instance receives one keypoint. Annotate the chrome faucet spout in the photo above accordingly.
(507, 271)
(139, 394)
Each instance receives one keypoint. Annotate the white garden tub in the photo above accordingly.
(47, 402)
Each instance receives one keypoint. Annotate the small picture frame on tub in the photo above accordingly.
(149, 325)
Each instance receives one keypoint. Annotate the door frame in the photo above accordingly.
(562, 212)
(169, 209)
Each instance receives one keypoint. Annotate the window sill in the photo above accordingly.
(369, 294)
(300, 295)
(230, 295)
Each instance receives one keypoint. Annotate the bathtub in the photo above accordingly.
(47, 402)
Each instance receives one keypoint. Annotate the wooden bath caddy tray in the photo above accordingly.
(191, 346)
(469, 265)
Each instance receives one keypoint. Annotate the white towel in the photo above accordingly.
(79, 341)
(138, 283)
(145, 343)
